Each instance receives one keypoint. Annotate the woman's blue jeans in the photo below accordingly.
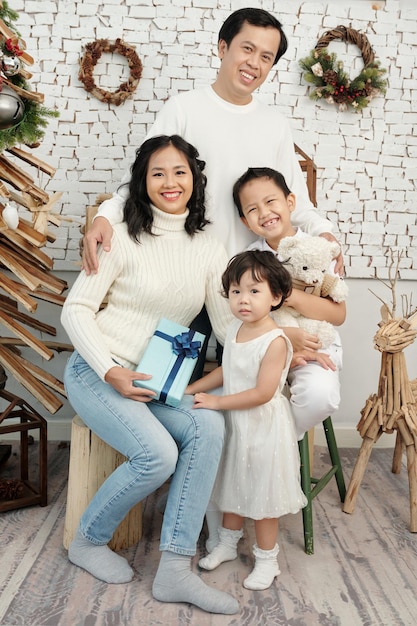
(158, 441)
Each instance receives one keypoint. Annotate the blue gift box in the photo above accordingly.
(170, 358)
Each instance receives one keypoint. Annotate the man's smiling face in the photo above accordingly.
(246, 62)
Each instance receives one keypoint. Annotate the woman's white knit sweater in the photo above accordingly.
(168, 274)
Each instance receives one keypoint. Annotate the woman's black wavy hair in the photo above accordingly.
(137, 211)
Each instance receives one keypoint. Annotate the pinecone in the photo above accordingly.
(368, 88)
(330, 77)
(10, 489)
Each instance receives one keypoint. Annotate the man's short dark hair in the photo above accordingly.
(256, 17)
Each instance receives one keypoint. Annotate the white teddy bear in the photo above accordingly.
(308, 260)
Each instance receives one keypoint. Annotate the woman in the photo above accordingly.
(161, 264)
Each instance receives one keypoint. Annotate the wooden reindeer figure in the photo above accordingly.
(393, 407)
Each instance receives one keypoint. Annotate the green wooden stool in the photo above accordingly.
(312, 486)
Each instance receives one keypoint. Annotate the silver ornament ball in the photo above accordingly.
(12, 108)
(10, 65)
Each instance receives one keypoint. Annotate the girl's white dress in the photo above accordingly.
(259, 472)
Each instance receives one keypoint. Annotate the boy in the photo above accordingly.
(265, 205)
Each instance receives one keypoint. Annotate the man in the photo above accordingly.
(232, 131)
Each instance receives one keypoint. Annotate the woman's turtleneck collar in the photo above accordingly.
(163, 222)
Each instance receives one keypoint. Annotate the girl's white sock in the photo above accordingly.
(265, 570)
(225, 549)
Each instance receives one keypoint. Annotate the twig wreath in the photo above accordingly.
(93, 52)
(333, 84)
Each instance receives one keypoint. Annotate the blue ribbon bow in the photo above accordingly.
(182, 345)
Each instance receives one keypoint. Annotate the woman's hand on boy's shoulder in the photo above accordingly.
(339, 268)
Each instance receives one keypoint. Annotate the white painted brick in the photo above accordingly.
(353, 250)
(373, 228)
(58, 243)
(358, 272)
(390, 240)
(63, 152)
(400, 218)
(56, 255)
(32, 6)
(395, 229)
(397, 184)
(87, 9)
(205, 4)
(362, 11)
(313, 8)
(372, 251)
(408, 274)
(353, 239)
(373, 239)
(67, 140)
(142, 12)
(359, 262)
(379, 185)
(403, 241)
(379, 262)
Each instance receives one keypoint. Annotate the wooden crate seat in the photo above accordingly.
(91, 462)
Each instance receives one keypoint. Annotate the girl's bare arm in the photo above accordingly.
(267, 382)
(213, 380)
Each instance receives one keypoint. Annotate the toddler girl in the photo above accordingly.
(259, 473)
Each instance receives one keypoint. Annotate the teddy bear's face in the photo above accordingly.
(306, 272)
(307, 259)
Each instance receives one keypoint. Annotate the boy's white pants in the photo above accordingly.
(315, 391)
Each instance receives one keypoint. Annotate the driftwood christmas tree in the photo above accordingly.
(29, 277)
(393, 407)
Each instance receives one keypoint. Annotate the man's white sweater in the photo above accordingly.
(230, 138)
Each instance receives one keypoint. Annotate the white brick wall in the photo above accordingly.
(366, 161)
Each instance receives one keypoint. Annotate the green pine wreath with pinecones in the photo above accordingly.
(332, 82)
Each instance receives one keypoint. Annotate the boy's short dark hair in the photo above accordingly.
(256, 17)
(264, 265)
(258, 172)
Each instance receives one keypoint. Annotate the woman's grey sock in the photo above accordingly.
(175, 582)
(99, 561)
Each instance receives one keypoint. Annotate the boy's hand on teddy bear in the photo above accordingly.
(302, 340)
(304, 356)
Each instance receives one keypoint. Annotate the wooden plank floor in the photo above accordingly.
(363, 572)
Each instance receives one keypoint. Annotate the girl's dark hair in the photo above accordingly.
(256, 17)
(258, 172)
(137, 211)
(264, 265)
